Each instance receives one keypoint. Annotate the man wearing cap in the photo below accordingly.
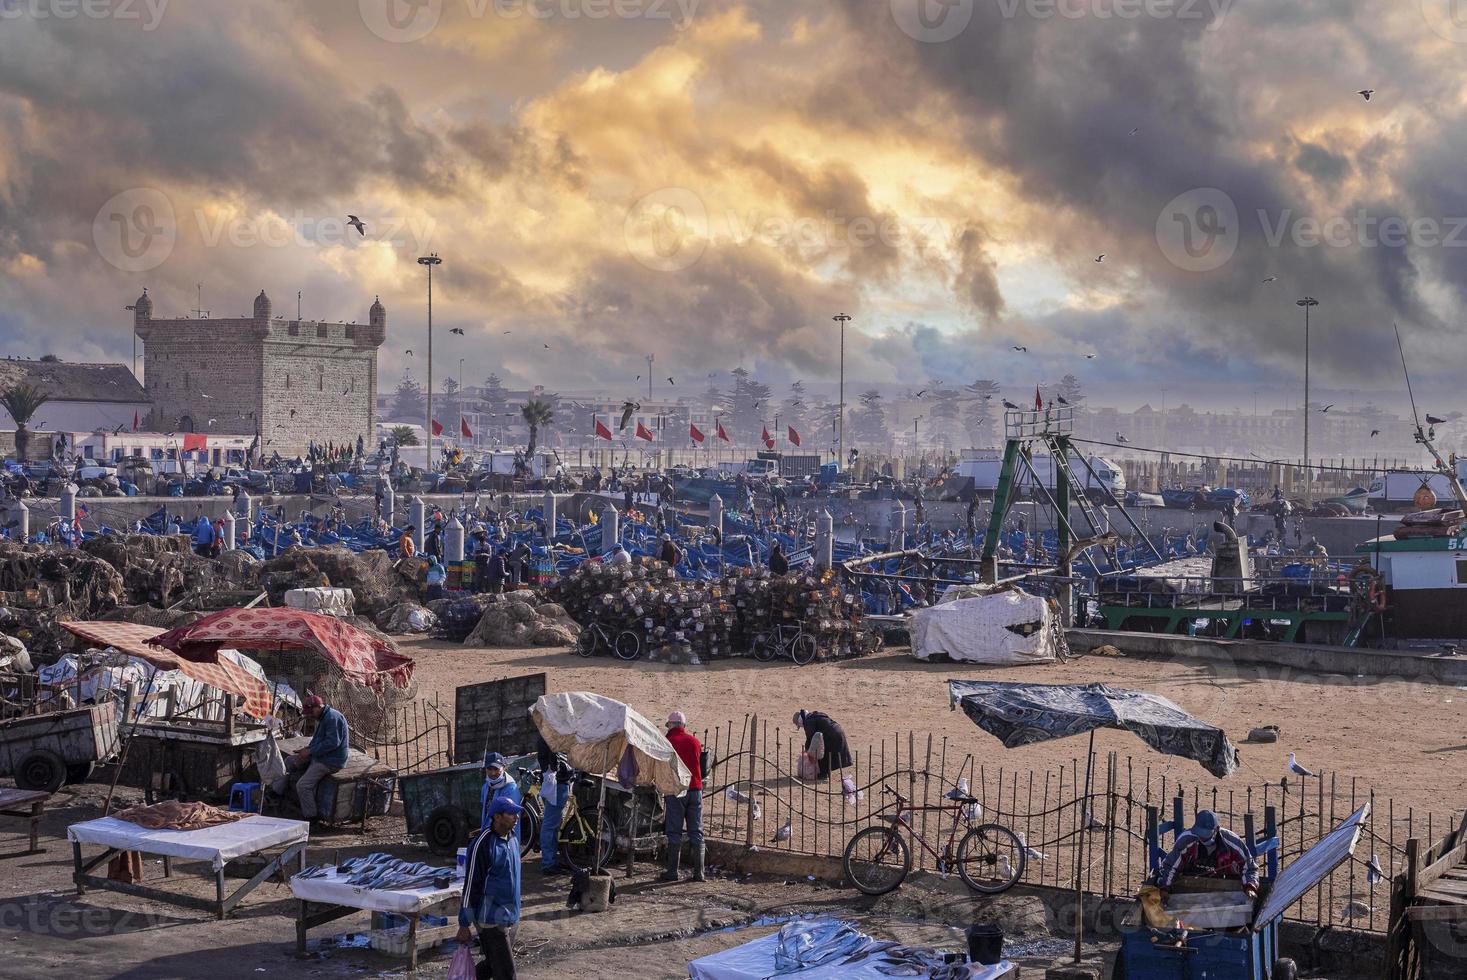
(491, 901)
(1207, 850)
(497, 783)
(326, 754)
(685, 811)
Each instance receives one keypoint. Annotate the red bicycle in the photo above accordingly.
(989, 857)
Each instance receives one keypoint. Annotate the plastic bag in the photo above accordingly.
(269, 761)
(462, 966)
(808, 767)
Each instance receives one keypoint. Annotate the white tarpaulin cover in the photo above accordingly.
(823, 949)
(332, 889)
(978, 630)
(217, 845)
(327, 602)
(595, 731)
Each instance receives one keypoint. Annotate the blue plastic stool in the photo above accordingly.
(242, 797)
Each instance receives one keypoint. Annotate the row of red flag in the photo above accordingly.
(696, 434)
(463, 428)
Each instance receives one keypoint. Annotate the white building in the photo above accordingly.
(81, 397)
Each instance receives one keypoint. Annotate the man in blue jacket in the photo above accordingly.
(326, 754)
(491, 900)
(203, 537)
(497, 783)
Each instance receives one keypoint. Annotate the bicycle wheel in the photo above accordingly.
(765, 648)
(628, 645)
(577, 846)
(529, 827)
(990, 858)
(877, 860)
(803, 649)
(588, 642)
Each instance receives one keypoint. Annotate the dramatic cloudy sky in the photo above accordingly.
(711, 180)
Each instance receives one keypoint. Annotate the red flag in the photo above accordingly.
(1038, 402)
(437, 428)
(768, 439)
(694, 434)
(463, 428)
(722, 434)
(195, 441)
(602, 432)
(135, 420)
(794, 436)
(643, 432)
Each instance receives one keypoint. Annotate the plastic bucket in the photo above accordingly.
(985, 944)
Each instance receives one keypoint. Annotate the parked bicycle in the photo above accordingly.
(575, 844)
(989, 857)
(626, 645)
(786, 641)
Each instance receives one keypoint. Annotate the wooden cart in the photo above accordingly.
(45, 751)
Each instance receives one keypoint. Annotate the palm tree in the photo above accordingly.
(22, 401)
(536, 413)
(403, 435)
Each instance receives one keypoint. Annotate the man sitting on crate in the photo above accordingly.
(326, 754)
(1208, 851)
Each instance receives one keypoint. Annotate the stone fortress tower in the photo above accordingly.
(289, 382)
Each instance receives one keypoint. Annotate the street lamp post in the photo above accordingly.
(1308, 302)
(842, 319)
(430, 261)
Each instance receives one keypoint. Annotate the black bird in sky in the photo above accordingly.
(1374, 433)
(627, 408)
(457, 330)
(352, 221)
(1023, 350)
(1366, 93)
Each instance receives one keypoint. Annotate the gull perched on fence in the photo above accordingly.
(1297, 769)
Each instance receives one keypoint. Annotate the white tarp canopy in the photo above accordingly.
(982, 630)
(595, 732)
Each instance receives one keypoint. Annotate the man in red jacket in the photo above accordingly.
(686, 810)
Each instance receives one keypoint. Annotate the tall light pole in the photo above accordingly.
(650, 359)
(840, 425)
(1308, 302)
(430, 261)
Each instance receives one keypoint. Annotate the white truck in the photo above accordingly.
(1394, 491)
(985, 466)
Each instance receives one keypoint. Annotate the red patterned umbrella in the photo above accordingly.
(356, 652)
(133, 638)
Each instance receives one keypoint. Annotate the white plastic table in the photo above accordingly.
(218, 846)
(329, 897)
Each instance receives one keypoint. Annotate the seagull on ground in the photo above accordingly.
(1029, 852)
(1355, 910)
(784, 832)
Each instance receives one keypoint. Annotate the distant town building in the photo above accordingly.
(81, 397)
(289, 382)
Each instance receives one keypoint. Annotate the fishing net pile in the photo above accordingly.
(523, 619)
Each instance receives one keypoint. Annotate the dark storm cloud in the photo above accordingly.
(1053, 101)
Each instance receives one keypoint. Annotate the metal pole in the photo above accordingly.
(430, 260)
(842, 319)
(1307, 302)
(1080, 852)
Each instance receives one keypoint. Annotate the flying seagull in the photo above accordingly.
(1297, 769)
(920, 393)
(1121, 438)
(1100, 258)
(212, 421)
(1433, 420)
(457, 330)
(1271, 279)
(409, 352)
(1374, 433)
(1023, 350)
(1366, 93)
(671, 382)
(1135, 131)
(353, 221)
(627, 408)
(1326, 408)
(1090, 357)
(547, 346)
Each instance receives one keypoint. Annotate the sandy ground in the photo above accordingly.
(1400, 739)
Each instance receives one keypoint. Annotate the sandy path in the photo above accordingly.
(1400, 739)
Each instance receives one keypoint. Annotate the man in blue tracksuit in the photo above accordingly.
(326, 754)
(491, 901)
(497, 783)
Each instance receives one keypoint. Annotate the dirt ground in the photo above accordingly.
(1397, 738)
(651, 932)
